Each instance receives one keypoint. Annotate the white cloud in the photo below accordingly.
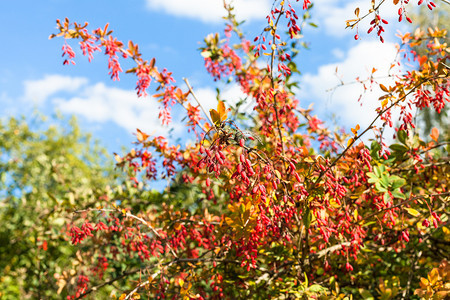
(230, 93)
(211, 11)
(342, 102)
(97, 102)
(38, 91)
(338, 53)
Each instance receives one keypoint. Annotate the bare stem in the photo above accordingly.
(198, 102)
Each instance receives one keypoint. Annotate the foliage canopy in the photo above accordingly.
(272, 203)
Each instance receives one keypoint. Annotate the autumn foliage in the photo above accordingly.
(271, 203)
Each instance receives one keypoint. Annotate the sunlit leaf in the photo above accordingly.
(434, 134)
(383, 88)
(412, 212)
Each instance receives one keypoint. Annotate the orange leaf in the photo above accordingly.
(177, 226)
(355, 130)
(422, 59)
(434, 134)
(423, 283)
(141, 136)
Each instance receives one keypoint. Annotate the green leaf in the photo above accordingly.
(385, 180)
(398, 194)
(379, 188)
(399, 148)
(402, 135)
(366, 295)
(375, 147)
(372, 177)
(396, 182)
(386, 197)
(315, 288)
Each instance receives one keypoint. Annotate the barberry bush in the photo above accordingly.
(272, 203)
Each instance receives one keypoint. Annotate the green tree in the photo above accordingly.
(47, 170)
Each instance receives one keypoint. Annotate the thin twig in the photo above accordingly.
(403, 202)
(272, 83)
(365, 131)
(97, 287)
(374, 9)
(196, 99)
(153, 276)
(329, 249)
(130, 215)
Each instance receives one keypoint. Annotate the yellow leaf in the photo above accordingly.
(446, 231)
(141, 136)
(278, 174)
(177, 226)
(412, 212)
(384, 103)
(357, 12)
(221, 108)
(350, 141)
(117, 158)
(219, 115)
(214, 116)
(433, 276)
(396, 2)
(309, 160)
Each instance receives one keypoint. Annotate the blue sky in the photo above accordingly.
(32, 75)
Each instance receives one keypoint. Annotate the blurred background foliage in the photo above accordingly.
(48, 170)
